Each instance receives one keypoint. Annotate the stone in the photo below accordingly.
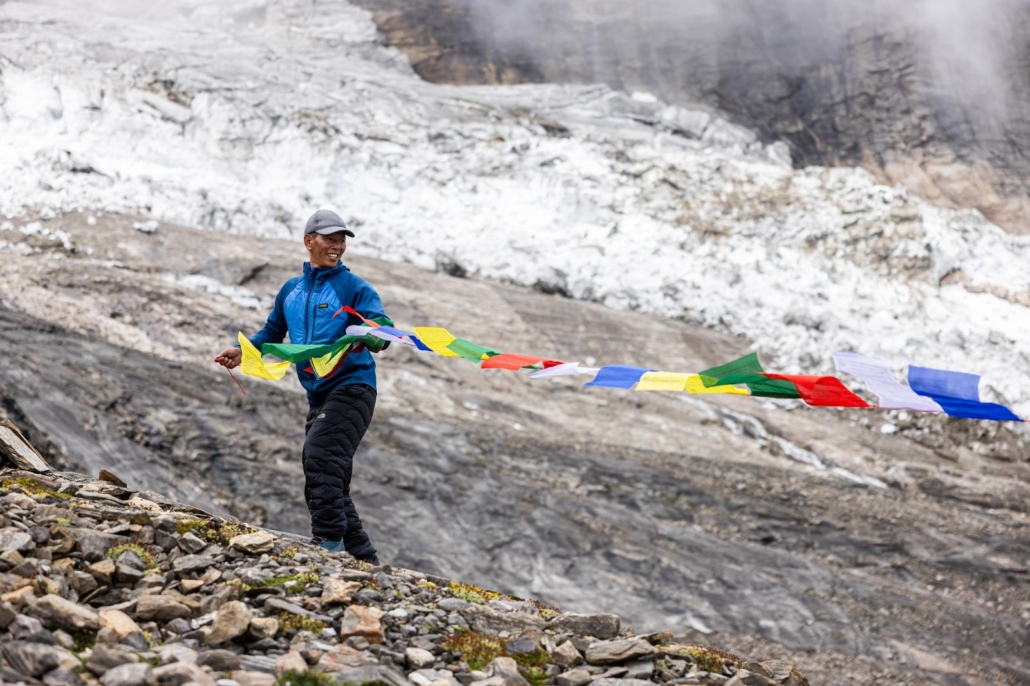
(248, 678)
(622, 650)
(452, 604)
(620, 682)
(179, 673)
(94, 544)
(24, 626)
(574, 677)
(28, 568)
(506, 669)
(116, 626)
(746, 678)
(338, 591)
(232, 621)
(602, 626)
(251, 662)
(190, 543)
(31, 659)
(83, 582)
(379, 674)
(417, 658)
(160, 608)
(105, 658)
(487, 620)
(191, 585)
(262, 627)
(103, 571)
(62, 676)
(132, 674)
(151, 581)
(253, 544)
(187, 564)
(566, 655)
(10, 558)
(125, 574)
(20, 598)
(176, 652)
(639, 669)
(16, 539)
(280, 605)
(219, 660)
(222, 595)
(433, 677)
(343, 657)
(7, 615)
(178, 626)
(130, 559)
(55, 611)
(290, 662)
(363, 621)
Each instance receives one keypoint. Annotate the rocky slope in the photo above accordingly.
(102, 584)
(930, 96)
(760, 527)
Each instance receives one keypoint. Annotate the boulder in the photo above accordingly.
(574, 677)
(232, 621)
(338, 591)
(219, 660)
(179, 673)
(94, 544)
(622, 650)
(190, 544)
(343, 657)
(417, 658)
(16, 539)
(160, 608)
(366, 622)
(262, 627)
(249, 678)
(566, 655)
(487, 620)
(31, 659)
(187, 564)
(253, 544)
(602, 626)
(290, 662)
(105, 658)
(103, 571)
(131, 674)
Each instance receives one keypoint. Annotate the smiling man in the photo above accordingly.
(308, 309)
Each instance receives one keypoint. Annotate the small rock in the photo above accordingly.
(254, 544)
(62, 676)
(54, 610)
(338, 591)
(610, 652)
(115, 626)
(220, 660)
(132, 674)
(290, 662)
(188, 564)
(179, 673)
(232, 621)
(620, 682)
(176, 652)
(343, 657)
(160, 608)
(31, 659)
(190, 543)
(566, 655)
(418, 658)
(7, 615)
(126, 574)
(94, 544)
(248, 678)
(452, 604)
(574, 677)
(105, 658)
(602, 626)
(24, 626)
(178, 626)
(487, 620)
(16, 539)
(359, 620)
(262, 627)
(506, 669)
(746, 678)
(103, 571)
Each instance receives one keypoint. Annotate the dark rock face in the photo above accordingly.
(939, 104)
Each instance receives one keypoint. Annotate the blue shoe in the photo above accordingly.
(332, 546)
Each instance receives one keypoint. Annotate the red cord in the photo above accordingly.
(236, 380)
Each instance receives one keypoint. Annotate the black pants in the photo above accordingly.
(334, 429)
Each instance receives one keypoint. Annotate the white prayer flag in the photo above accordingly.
(563, 369)
(877, 376)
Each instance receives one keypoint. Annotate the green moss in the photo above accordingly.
(301, 582)
(426, 584)
(141, 552)
(475, 649)
(32, 487)
(212, 530)
(532, 666)
(473, 594)
(291, 622)
(710, 659)
(536, 676)
(82, 640)
(312, 677)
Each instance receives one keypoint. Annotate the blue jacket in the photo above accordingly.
(304, 308)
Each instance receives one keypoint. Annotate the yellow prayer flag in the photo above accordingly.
(695, 385)
(327, 363)
(437, 340)
(253, 365)
(663, 381)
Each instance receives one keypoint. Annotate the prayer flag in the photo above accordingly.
(696, 385)
(324, 366)
(663, 381)
(563, 369)
(514, 361)
(748, 370)
(877, 376)
(618, 376)
(957, 392)
(470, 351)
(436, 339)
(822, 391)
(253, 365)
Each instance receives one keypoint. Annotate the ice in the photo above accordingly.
(247, 115)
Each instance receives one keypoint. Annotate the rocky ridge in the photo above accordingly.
(102, 584)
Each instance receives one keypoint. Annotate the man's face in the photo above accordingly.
(325, 251)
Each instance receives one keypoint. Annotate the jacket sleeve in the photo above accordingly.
(367, 302)
(274, 330)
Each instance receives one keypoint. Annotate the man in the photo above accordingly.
(308, 308)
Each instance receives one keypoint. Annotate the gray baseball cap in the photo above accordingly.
(325, 222)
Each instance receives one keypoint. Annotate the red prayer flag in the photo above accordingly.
(821, 391)
(350, 310)
(515, 362)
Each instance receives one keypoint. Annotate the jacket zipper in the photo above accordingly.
(307, 311)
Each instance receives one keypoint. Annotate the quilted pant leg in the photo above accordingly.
(334, 431)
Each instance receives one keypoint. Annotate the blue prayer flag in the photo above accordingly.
(618, 376)
(957, 393)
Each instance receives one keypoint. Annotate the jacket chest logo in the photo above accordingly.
(323, 306)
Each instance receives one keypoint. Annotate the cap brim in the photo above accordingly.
(330, 230)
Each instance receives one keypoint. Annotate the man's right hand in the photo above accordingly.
(230, 358)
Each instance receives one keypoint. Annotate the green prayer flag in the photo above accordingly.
(470, 351)
(748, 370)
(295, 353)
